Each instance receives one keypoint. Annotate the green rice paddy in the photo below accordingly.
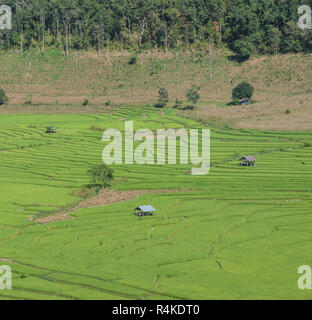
(236, 233)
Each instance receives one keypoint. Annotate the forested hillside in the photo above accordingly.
(245, 26)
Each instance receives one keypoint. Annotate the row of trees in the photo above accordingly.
(246, 26)
(243, 91)
(192, 97)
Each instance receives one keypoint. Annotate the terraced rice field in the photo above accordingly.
(237, 233)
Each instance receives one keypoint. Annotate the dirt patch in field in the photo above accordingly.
(105, 197)
(56, 217)
(109, 196)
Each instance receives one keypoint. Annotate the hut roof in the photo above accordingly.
(146, 208)
(248, 158)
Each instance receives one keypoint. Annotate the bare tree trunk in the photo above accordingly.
(117, 42)
(20, 29)
(142, 25)
(58, 30)
(220, 31)
(67, 30)
(42, 18)
(129, 24)
(67, 53)
(22, 38)
(98, 41)
(210, 61)
(166, 42)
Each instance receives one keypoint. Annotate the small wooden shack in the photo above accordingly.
(248, 161)
(144, 211)
(51, 129)
(244, 101)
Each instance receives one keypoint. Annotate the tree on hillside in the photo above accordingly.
(192, 94)
(291, 41)
(163, 98)
(243, 91)
(243, 49)
(101, 174)
(274, 37)
(3, 98)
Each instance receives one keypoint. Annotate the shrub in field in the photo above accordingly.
(163, 98)
(242, 91)
(133, 60)
(85, 102)
(192, 94)
(287, 111)
(96, 128)
(101, 174)
(3, 98)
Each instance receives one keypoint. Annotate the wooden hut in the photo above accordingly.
(51, 129)
(144, 211)
(244, 101)
(248, 161)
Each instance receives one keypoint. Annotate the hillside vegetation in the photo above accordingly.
(247, 27)
(53, 83)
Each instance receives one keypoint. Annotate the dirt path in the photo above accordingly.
(104, 198)
(7, 260)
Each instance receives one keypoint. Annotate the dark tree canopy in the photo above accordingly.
(192, 94)
(3, 97)
(246, 26)
(163, 98)
(242, 91)
(101, 174)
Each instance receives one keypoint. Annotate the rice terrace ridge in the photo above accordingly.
(155, 151)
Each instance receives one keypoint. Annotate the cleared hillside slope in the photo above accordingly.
(54, 84)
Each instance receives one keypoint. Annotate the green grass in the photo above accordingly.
(238, 233)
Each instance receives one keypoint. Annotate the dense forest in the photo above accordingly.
(245, 26)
